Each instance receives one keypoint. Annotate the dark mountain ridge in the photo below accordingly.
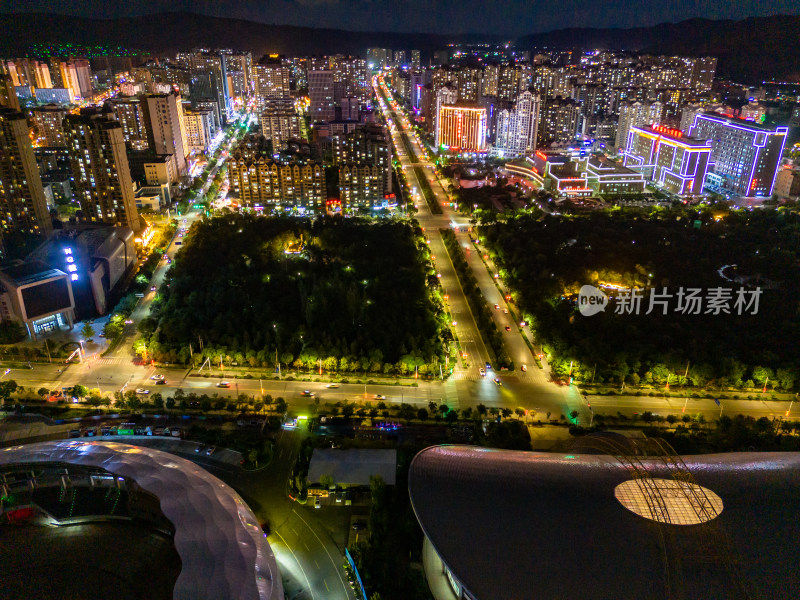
(750, 50)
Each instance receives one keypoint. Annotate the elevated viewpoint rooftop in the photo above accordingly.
(511, 525)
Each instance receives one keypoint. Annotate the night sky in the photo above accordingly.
(502, 17)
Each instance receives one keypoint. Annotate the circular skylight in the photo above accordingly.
(669, 501)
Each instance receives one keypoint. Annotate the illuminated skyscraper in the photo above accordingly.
(163, 115)
(558, 122)
(49, 124)
(271, 80)
(516, 128)
(99, 162)
(320, 90)
(23, 207)
(744, 155)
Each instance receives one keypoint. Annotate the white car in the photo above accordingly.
(142, 391)
(332, 386)
(156, 377)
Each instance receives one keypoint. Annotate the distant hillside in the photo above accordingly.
(750, 50)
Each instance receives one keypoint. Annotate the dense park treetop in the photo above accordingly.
(355, 290)
(547, 259)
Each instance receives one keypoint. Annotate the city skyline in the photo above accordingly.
(512, 18)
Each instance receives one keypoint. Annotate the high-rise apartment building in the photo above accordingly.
(360, 186)
(744, 155)
(8, 93)
(366, 145)
(23, 208)
(165, 133)
(199, 126)
(416, 61)
(636, 114)
(130, 114)
(271, 79)
(49, 121)
(378, 58)
(517, 128)
(83, 74)
(210, 79)
(400, 58)
(320, 90)
(280, 123)
(99, 162)
(558, 122)
(69, 77)
(666, 156)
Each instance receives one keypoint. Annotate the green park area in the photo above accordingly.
(545, 260)
(337, 295)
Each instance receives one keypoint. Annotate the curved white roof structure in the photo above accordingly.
(223, 551)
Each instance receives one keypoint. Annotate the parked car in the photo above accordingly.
(359, 526)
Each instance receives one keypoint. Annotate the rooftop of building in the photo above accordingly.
(671, 133)
(354, 466)
(33, 271)
(600, 165)
(512, 524)
(741, 123)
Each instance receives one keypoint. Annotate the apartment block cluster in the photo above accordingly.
(476, 100)
(319, 148)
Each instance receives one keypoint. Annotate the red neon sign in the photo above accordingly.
(541, 155)
(668, 130)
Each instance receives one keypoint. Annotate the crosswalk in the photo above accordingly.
(111, 361)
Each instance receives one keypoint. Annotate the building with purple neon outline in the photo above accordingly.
(744, 155)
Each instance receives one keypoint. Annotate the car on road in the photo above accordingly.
(496, 306)
(265, 528)
(161, 382)
(307, 393)
(199, 449)
(359, 526)
(497, 381)
(224, 384)
(332, 386)
(142, 391)
(488, 366)
(153, 288)
(505, 311)
(317, 503)
(524, 367)
(156, 377)
(379, 397)
(508, 328)
(210, 450)
(483, 372)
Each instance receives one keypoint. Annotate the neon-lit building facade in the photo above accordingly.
(461, 128)
(744, 155)
(676, 162)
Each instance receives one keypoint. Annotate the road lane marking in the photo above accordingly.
(335, 564)
(310, 589)
(326, 585)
